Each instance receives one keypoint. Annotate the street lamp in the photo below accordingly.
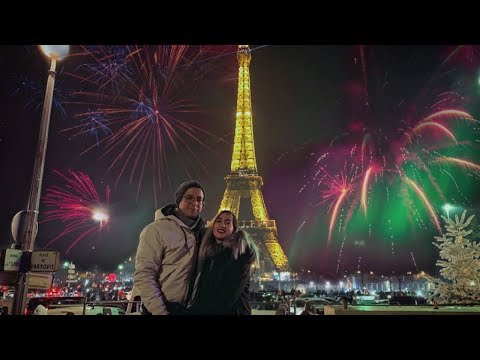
(28, 224)
(101, 216)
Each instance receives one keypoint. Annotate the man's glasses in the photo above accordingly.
(190, 199)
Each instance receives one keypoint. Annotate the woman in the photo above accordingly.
(227, 259)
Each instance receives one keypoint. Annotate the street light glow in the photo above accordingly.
(100, 216)
(55, 51)
(447, 207)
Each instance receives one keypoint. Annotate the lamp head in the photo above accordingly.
(100, 216)
(55, 51)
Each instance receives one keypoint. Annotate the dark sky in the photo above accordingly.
(302, 96)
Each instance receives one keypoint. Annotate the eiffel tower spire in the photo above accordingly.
(244, 181)
(244, 148)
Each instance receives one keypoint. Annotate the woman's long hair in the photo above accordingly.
(238, 242)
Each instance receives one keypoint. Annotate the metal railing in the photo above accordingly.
(255, 223)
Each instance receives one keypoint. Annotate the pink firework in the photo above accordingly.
(408, 165)
(338, 187)
(78, 205)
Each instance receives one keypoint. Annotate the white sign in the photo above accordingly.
(11, 259)
(39, 281)
(45, 261)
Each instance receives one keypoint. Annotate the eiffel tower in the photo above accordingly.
(243, 180)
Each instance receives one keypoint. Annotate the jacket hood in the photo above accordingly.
(169, 212)
(166, 211)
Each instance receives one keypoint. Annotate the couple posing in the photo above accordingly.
(183, 267)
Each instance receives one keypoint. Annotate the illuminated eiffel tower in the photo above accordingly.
(244, 181)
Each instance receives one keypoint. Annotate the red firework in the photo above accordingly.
(77, 204)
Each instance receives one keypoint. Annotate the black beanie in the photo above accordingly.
(184, 187)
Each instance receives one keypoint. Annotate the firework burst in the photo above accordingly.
(78, 205)
(142, 94)
(396, 176)
(34, 94)
(386, 172)
(95, 123)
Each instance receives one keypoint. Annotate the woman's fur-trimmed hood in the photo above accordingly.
(238, 242)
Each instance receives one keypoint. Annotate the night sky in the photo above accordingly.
(303, 97)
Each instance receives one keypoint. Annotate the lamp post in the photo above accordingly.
(28, 223)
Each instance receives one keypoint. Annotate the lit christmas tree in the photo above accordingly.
(460, 264)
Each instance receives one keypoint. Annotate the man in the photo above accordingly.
(166, 260)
